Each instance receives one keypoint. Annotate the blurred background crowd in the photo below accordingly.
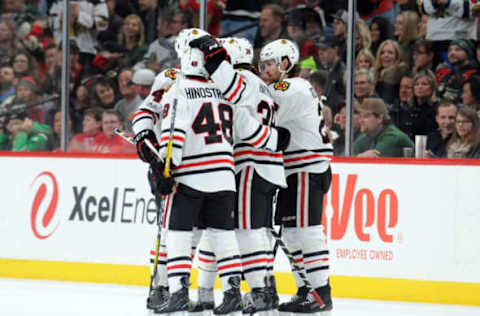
(416, 67)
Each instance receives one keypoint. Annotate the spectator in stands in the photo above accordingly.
(50, 57)
(56, 128)
(407, 5)
(465, 142)
(328, 55)
(132, 37)
(381, 30)
(318, 79)
(379, 8)
(388, 71)
(450, 77)
(24, 64)
(103, 93)
(422, 55)
(363, 38)
(92, 125)
(26, 134)
(418, 118)
(422, 26)
(471, 93)
(28, 91)
(107, 141)
(406, 33)
(340, 26)
(161, 53)
(379, 137)
(438, 139)
(241, 13)
(149, 15)
(363, 84)
(297, 31)
(143, 80)
(7, 83)
(110, 59)
(79, 103)
(448, 20)
(364, 59)
(77, 71)
(87, 18)
(130, 98)
(215, 10)
(8, 41)
(339, 144)
(401, 104)
(271, 27)
(114, 23)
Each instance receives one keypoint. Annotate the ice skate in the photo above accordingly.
(205, 303)
(157, 297)
(232, 299)
(272, 288)
(178, 304)
(259, 302)
(285, 309)
(310, 305)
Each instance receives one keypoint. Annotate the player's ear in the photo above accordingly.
(285, 64)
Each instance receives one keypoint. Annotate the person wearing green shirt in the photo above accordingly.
(27, 135)
(379, 137)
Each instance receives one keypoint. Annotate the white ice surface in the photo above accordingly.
(50, 298)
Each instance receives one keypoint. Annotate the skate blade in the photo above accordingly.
(285, 313)
(180, 313)
(326, 313)
(272, 312)
(202, 313)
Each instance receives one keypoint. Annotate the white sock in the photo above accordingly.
(228, 256)
(179, 259)
(253, 245)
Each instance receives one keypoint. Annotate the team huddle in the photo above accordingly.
(244, 152)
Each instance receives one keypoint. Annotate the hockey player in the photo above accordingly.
(202, 159)
(146, 120)
(259, 171)
(307, 167)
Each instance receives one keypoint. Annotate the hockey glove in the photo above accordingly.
(283, 138)
(158, 183)
(144, 153)
(214, 52)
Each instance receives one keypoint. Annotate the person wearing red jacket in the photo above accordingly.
(107, 141)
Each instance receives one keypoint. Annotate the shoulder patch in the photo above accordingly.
(171, 73)
(281, 85)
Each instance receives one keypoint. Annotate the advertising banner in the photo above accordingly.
(387, 221)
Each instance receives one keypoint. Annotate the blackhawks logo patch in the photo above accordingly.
(281, 85)
(171, 73)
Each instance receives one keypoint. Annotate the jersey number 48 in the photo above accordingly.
(205, 123)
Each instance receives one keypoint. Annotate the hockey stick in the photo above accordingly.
(160, 208)
(302, 275)
(129, 139)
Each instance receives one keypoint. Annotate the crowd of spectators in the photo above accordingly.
(416, 67)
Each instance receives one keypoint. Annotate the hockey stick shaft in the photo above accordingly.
(168, 159)
(295, 266)
(129, 139)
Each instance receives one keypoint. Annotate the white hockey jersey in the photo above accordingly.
(148, 113)
(202, 152)
(300, 111)
(252, 98)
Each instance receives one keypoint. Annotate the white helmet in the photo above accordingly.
(191, 59)
(239, 49)
(278, 49)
